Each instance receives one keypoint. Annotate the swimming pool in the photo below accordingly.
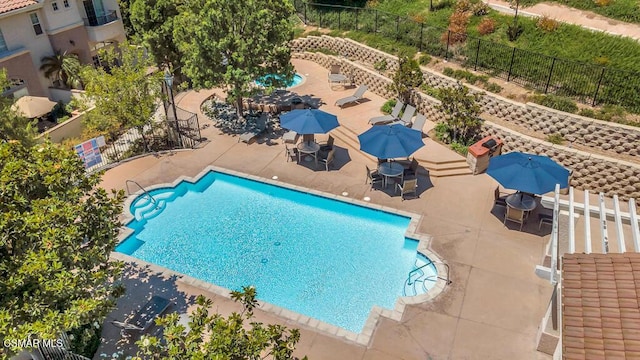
(320, 257)
(297, 79)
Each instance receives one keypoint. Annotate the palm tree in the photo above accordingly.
(62, 67)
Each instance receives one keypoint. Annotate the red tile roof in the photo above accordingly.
(600, 306)
(10, 5)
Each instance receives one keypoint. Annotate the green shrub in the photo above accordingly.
(85, 340)
(380, 65)
(612, 113)
(555, 102)
(443, 133)
(493, 87)
(388, 106)
(431, 91)
(424, 59)
(514, 31)
(297, 32)
(448, 71)
(555, 138)
(314, 33)
(336, 33)
(459, 148)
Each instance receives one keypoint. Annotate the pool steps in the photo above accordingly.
(146, 209)
(418, 281)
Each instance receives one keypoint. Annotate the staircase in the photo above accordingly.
(451, 167)
(146, 207)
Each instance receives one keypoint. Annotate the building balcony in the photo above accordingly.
(104, 28)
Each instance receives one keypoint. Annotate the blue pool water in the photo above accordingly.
(327, 259)
(297, 79)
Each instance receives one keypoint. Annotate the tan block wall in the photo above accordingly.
(71, 128)
(593, 172)
(605, 136)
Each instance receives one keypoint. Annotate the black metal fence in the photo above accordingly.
(587, 83)
(160, 135)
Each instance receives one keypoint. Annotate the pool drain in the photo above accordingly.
(277, 243)
(264, 261)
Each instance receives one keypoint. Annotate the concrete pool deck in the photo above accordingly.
(491, 310)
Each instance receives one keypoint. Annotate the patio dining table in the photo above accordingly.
(389, 170)
(310, 148)
(521, 201)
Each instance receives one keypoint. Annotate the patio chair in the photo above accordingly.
(290, 137)
(497, 199)
(373, 177)
(329, 159)
(261, 125)
(144, 317)
(395, 113)
(291, 153)
(355, 98)
(545, 219)
(336, 76)
(514, 215)
(409, 111)
(418, 124)
(408, 186)
(412, 171)
(327, 146)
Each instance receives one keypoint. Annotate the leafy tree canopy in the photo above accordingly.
(13, 126)
(231, 43)
(153, 20)
(462, 111)
(57, 230)
(238, 336)
(406, 78)
(125, 93)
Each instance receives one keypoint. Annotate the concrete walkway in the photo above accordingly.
(565, 14)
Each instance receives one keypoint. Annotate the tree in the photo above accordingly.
(153, 20)
(232, 43)
(406, 78)
(13, 126)
(125, 11)
(124, 94)
(461, 111)
(237, 337)
(62, 67)
(57, 230)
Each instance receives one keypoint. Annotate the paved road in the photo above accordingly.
(569, 15)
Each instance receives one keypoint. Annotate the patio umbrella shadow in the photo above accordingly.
(141, 283)
(285, 97)
(341, 158)
(531, 223)
(424, 184)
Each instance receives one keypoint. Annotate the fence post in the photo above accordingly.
(305, 13)
(446, 52)
(339, 13)
(595, 96)
(421, 29)
(397, 27)
(546, 88)
(375, 26)
(475, 67)
(320, 13)
(513, 55)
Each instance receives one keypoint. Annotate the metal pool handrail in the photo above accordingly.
(153, 200)
(448, 282)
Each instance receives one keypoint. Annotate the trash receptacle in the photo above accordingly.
(480, 153)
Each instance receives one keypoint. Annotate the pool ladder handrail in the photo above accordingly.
(153, 200)
(447, 280)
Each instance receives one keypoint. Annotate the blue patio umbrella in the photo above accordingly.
(528, 173)
(390, 141)
(309, 121)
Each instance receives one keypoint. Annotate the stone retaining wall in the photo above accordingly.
(605, 136)
(593, 172)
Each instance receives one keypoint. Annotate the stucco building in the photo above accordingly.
(33, 29)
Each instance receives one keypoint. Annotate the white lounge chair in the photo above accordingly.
(290, 137)
(355, 98)
(395, 113)
(418, 124)
(409, 111)
(261, 125)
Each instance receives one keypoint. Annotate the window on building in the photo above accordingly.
(54, 5)
(3, 44)
(66, 4)
(36, 23)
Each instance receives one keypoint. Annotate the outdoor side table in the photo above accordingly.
(389, 170)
